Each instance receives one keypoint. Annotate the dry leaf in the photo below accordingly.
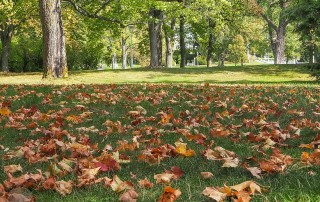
(145, 183)
(64, 187)
(214, 194)
(164, 178)
(170, 194)
(129, 196)
(12, 168)
(206, 175)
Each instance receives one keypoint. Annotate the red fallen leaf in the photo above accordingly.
(145, 183)
(106, 162)
(170, 195)
(176, 171)
(270, 166)
(129, 196)
(49, 183)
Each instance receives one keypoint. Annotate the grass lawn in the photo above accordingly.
(75, 131)
(284, 74)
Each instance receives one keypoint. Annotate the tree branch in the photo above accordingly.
(94, 15)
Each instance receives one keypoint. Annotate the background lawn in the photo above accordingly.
(284, 74)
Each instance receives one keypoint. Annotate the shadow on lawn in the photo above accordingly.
(293, 82)
(252, 69)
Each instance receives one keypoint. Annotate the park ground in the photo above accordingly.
(182, 122)
(249, 74)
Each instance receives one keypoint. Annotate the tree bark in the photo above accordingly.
(159, 47)
(6, 36)
(154, 32)
(169, 44)
(183, 51)
(277, 33)
(124, 53)
(210, 43)
(54, 58)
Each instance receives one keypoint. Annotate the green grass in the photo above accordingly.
(284, 74)
(294, 184)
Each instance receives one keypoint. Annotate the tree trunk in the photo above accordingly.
(114, 61)
(6, 36)
(124, 53)
(154, 32)
(169, 44)
(210, 43)
(159, 46)
(54, 58)
(183, 51)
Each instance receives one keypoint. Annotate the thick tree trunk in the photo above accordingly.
(6, 36)
(124, 53)
(169, 44)
(183, 52)
(154, 32)
(54, 58)
(278, 45)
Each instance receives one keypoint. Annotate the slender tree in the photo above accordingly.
(54, 57)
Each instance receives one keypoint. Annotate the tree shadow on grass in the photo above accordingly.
(272, 70)
(242, 82)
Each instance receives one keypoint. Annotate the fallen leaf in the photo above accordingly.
(164, 178)
(129, 196)
(255, 171)
(170, 195)
(118, 185)
(214, 194)
(206, 175)
(145, 183)
(64, 187)
(12, 169)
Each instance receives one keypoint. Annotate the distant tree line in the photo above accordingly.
(56, 35)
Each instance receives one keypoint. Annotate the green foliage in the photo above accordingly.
(237, 50)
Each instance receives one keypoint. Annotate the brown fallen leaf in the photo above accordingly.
(255, 171)
(214, 194)
(145, 183)
(163, 178)
(12, 169)
(129, 196)
(206, 175)
(49, 183)
(64, 187)
(170, 195)
(117, 185)
(251, 185)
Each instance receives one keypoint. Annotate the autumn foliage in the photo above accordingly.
(73, 137)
